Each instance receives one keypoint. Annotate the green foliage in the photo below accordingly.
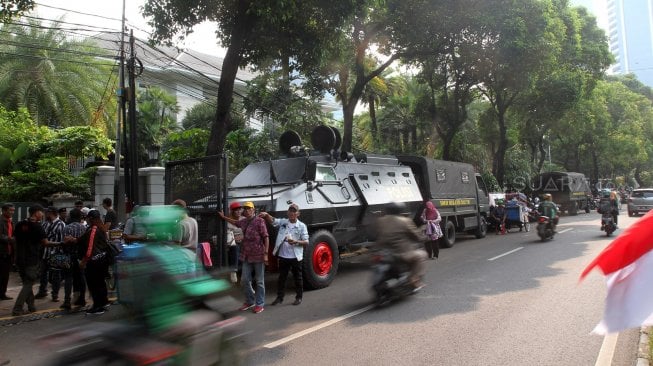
(80, 141)
(50, 176)
(245, 146)
(62, 82)
(156, 119)
(34, 159)
(187, 144)
(200, 115)
(13, 8)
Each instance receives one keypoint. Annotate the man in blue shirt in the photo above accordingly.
(289, 247)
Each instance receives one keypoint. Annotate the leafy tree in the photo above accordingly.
(200, 116)
(253, 32)
(521, 41)
(12, 8)
(272, 96)
(186, 144)
(34, 159)
(61, 82)
(156, 119)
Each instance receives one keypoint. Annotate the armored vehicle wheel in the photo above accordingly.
(482, 230)
(320, 260)
(449, 237)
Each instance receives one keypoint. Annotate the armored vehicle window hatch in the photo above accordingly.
(325, 173)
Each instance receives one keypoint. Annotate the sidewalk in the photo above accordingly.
(43, 306)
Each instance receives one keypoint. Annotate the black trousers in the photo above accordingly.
(432, 248)
(5, 268)
(96, 272)
(286, 265)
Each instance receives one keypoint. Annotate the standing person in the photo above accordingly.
(93, 249)
(7, 247)
(289, 247)
(188, 231)
(63, 215)
(79, 204)
(431, 217)
(110, 218)
(53, 227)
(234, 240)
(30, 237)
(76, 229)
(135, 230)
(254, 255)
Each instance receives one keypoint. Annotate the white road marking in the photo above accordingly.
(607, 350)
(565, 230)
(317, 327)
(506, 253)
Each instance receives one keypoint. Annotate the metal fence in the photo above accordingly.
(202, 184)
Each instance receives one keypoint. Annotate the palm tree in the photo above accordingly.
(156, 118)
(61, 82)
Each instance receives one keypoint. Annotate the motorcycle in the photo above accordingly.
(545, 228)
(390, 279)
(607, 224)
(176, 315)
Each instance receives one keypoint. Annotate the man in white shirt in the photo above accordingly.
(289, 247)
(188, 236)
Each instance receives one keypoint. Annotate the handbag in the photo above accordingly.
(60, 259)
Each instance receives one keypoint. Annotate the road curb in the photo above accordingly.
(644, 347)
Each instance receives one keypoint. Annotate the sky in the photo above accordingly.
(597, 7)
(107, 15)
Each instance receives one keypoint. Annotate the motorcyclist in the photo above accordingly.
(549, 209)
(608, 206)
(400, 235)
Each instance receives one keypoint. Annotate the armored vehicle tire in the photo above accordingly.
(321, 260)
(449, 237)
(482, 230)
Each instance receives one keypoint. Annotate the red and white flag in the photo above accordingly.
(628, 265)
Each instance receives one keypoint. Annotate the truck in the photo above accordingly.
(340, 195)
(570, 190)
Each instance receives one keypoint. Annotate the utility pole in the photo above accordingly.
(133, 144)
(118, 193)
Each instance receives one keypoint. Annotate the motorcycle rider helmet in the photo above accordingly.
(395, 208)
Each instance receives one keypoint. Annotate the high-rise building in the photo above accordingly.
(630, 32)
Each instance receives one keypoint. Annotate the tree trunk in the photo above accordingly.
(374, 127)
(223, 122)
(502, 148)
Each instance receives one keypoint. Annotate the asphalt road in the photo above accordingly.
(503, 300)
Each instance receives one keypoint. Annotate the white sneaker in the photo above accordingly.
(233, 277)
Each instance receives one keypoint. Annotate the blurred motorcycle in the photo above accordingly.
(390, 278)
(545, 228)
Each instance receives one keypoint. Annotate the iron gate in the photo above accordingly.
(202, 183)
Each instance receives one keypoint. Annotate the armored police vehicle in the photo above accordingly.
(570, 190)
(340, 195)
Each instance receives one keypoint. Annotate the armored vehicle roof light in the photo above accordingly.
(323, 139)
(289, 140)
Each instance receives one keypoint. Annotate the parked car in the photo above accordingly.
(640, 201)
